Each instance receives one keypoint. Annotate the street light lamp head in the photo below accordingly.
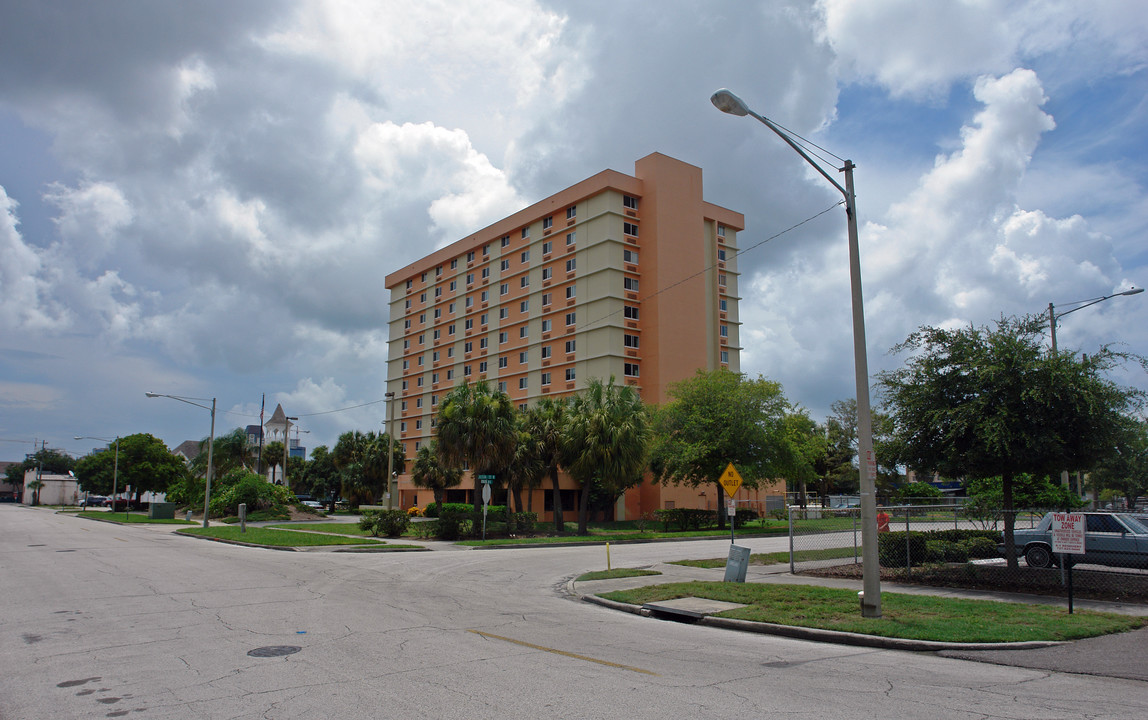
(1133, 291)
(727, 102)
(151, 394)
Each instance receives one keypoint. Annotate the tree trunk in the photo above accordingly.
(720, 506)
(1009, 522)
(438, 493)
(559, 520)
(584, 510)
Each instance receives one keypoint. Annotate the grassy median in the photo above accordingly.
(119, 517)
(275, 537)
(917, 617)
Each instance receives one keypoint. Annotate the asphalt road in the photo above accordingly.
(103, 620)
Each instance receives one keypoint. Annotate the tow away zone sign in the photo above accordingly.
(1068, 533)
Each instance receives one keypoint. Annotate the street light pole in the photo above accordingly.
(210, 445)
(727, 102)
(390, 448)
(1053, 316)
(115, 465)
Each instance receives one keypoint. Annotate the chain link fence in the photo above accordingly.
(959, 545)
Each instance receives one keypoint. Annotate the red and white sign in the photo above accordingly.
(1068, 533)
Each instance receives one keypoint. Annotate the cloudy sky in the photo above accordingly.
(202, 199)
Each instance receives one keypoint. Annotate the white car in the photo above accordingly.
(313, 504)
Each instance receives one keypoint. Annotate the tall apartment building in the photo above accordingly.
(626, 276)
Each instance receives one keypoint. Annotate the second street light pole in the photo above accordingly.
(727, 102)
(210, 445)
(390, 447)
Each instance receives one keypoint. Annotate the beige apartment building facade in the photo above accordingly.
(633, 277)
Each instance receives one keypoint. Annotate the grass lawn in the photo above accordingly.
(614, 535)
(776, 558)
(334, 528)
(277, 538)
(903, 616)
(119, 517)
(615, 573)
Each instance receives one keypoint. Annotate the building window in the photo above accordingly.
(721, 230)
(571, 264)
(453, 285)
(406, 364)
(468, 323)
(525, 256)
(505, 240)
(546, 326)
(721, 254)
(545, 352)
(524, 331)
(418, 402)
(630, 256)
(486, 249)
(434, 379)
(482, 343)
(630, 202)
(408, 303)
(503, 363)
(485, 273)
(504, 265)
(438, 292)
(450, 329)
(630, 341)
(724, 331)
(449, 354)
(522, 355)
(403, 426)
(409, 284)
(404, 388)
(454, 263)
(721, 279)
(450, 308)
(418, 424)
(466, 370)
(468, 346)
(503, 313)
(502, 338)
(420, 361)
(501, 386)
(482, 366)
(438, 271)
(571, 318)
(404, 405)
(423, 297)
(569, 373)
(482, 319)
(547, 273)
(422, 318)
(546, 378)
(484, 296)
(570, 238)
(548, 222)
(437, 313)
(547, 247)
(524, 306)
(571, 291)
(545, 299)
(569, 346)
(504, 288)
(406, 324)
(521, 383)
(722, 304)
(630, 369)
(434, 355)
(525, 232)
(470, 278)
(470, 256)
(631, 284)
(571, 212)
(469, 302)
(630, 229)
(725, 357)
(406, 344)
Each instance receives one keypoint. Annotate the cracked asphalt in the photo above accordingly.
(103, 620)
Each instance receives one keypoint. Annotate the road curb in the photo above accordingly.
(819, 635)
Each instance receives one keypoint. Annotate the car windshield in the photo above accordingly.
(1138, 526)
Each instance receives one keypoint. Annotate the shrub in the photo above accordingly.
(744, 517)
(388, 523)
(683, 519)
(454, 520)
(433, 509)
(945, 551)
(980, 547)
(414, 512)
(892, 551)
(526, 522)
(247, 488)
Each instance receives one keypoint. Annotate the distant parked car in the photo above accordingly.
(94, 501)
(1114, 539)
(313, 504)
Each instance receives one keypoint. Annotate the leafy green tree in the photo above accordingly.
(545, 423)
(476, 428)
(230, 452)
(915, 491)
(809, 444)
(720, 417)
(321, 476)
(528, 465)
(145, 465)
(1125, 468)
(361, 459)
(986, 402)
(35, 485)
(606, 440)
(50, 461)
(428, 472)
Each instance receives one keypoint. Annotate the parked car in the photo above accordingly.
(1114, 539)
(94, 501)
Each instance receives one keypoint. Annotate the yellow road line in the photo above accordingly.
(563, 652)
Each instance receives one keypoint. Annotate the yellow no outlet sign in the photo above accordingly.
(730, 480)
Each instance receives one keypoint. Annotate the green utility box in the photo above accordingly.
(161, 511)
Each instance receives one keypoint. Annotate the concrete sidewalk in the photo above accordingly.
(1109, 656)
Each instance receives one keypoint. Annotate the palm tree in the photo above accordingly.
(273, 458)
(545, 422)
(428, 472)
(476, 429)
(229, 452)
(606, 439)
(361, 459)
(528, 465)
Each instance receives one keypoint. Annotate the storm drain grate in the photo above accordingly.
(274, 651)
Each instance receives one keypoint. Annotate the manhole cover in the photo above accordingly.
(274, 651)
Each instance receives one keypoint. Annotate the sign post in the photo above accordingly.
(1068, 539)
(486, 480)
(731, 481)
